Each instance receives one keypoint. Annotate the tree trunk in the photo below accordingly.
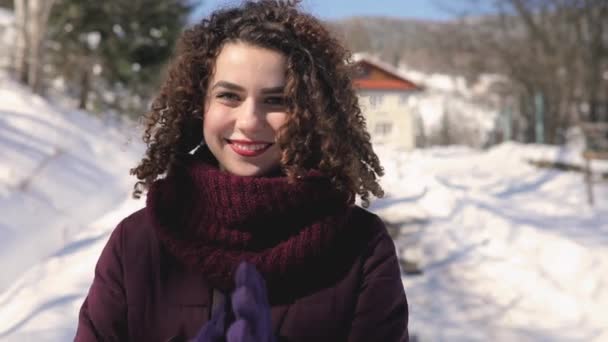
(38, 14)
(33, 34)
(85, 88)
(21, 41)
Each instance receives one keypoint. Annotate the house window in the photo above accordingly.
(403, 98)
(383, 128)
(375, 100)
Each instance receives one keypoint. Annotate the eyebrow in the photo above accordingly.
(236, 87)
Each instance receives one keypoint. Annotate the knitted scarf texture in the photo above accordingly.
(212, 220)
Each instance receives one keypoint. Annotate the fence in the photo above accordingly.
(596, 141)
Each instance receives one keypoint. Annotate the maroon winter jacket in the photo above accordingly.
(141, 293)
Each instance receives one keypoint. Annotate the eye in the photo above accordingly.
(275, 101)
(228, 96)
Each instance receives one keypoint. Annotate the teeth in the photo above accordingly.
(256, 147)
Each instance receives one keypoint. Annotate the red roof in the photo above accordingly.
(377, 75)
(384, 84)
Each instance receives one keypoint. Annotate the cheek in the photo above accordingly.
(277, 120)
(215, 121)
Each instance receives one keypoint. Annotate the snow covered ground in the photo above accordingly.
(509, 252)
(60, 170)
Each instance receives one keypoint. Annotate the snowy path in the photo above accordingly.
(509, 252)
(42, 305)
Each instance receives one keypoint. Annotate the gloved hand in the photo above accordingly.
(214, 329)
(251, 308)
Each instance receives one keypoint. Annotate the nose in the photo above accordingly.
(249, 117)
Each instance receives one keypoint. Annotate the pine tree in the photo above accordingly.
(115, 46)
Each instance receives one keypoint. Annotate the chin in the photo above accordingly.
(246, 169)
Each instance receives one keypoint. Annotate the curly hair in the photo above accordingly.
(325, 129)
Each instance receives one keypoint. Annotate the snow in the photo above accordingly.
(59, 170)
(442, 82)
(432, 105)
(93, 39)
(451, 95)
(43, 303)
(6, 17)
(118, 30)
(509, 252)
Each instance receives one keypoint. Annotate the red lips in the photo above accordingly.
(248, 148)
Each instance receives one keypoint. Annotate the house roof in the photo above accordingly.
(384, 85)
(393, 79)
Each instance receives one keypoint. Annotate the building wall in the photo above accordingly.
(389, 117)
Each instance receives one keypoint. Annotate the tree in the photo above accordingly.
(557, 48)
(31, 18)
(110, 46)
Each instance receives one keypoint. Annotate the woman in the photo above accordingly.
(257, 149)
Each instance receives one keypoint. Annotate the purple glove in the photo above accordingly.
(249, 303)
(214, 329)
(251, 308)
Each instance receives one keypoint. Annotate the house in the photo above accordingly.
(384, 98)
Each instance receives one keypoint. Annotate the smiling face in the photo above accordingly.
(244, 109)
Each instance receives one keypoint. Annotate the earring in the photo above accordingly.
(197, 147)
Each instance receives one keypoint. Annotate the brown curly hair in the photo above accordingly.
(325, 128)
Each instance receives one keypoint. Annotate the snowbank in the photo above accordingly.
(59, 170)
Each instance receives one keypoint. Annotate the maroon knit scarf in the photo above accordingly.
(211, 220)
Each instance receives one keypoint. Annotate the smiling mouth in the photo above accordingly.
(248, 148)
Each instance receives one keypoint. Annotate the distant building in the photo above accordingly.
(384, 97)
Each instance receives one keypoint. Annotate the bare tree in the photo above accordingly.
(555, 48)
(31, 19)
(21, 43)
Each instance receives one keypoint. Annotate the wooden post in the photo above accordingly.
(539, 117)
(588, 179)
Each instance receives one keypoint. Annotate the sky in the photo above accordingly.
(336, 9)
